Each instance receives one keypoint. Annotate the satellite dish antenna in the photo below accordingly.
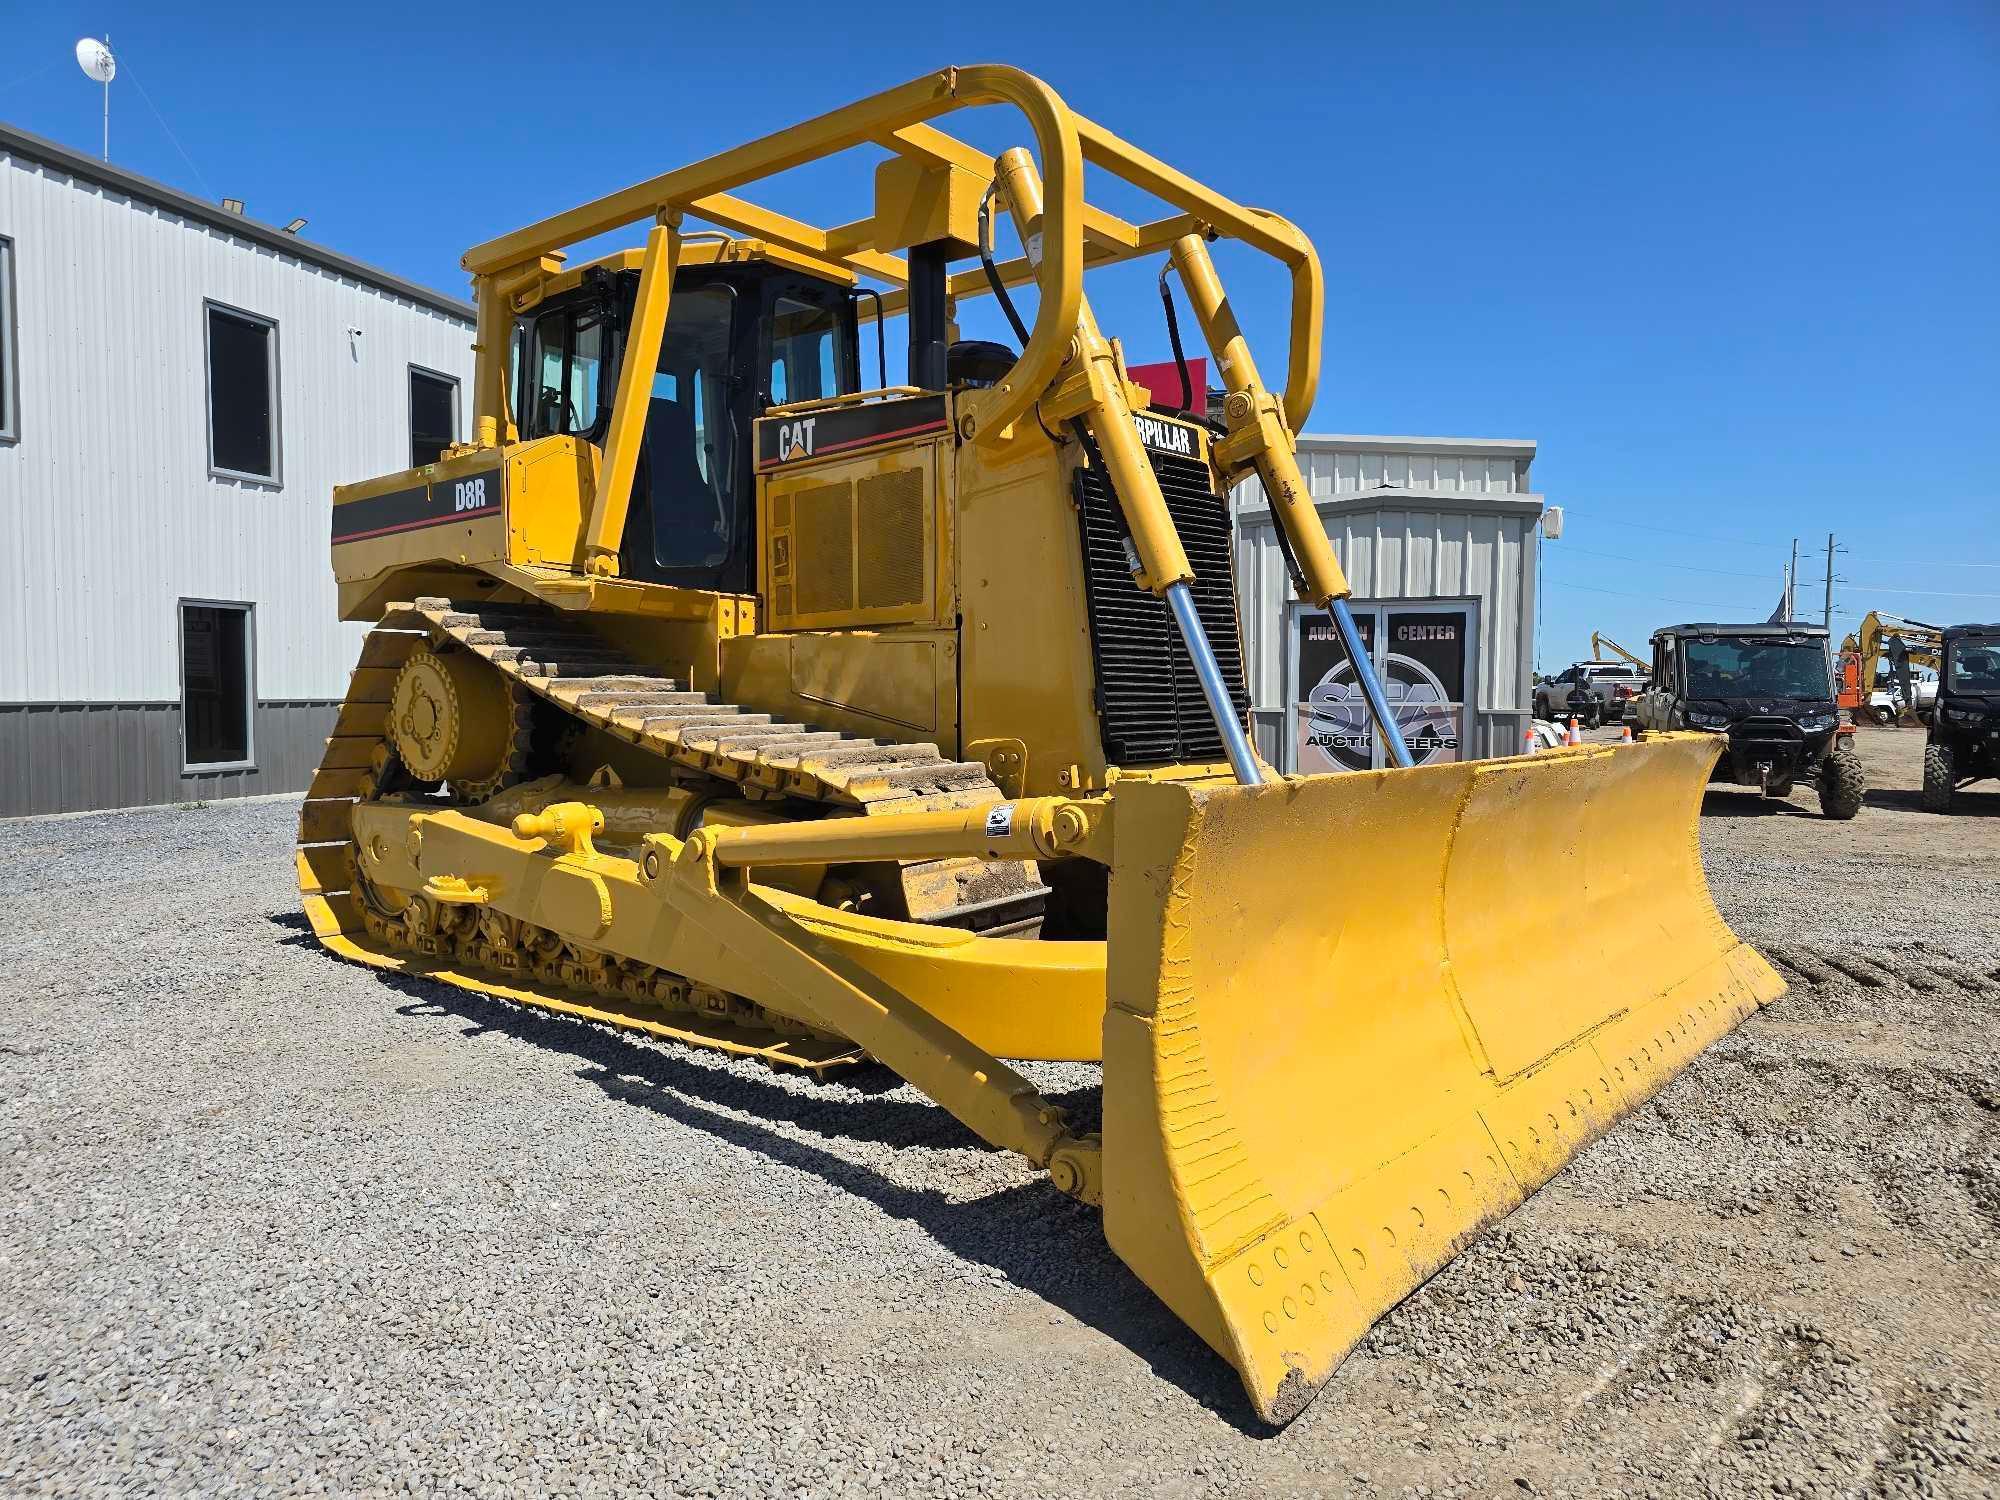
(97, 61)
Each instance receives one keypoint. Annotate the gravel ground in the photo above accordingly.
(275, 1225)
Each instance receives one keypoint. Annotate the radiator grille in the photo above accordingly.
(824, 549)
(1149, 701)
(889, 531)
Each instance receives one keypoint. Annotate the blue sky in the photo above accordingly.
(1733, 267)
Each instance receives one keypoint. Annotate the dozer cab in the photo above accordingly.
(713, 692)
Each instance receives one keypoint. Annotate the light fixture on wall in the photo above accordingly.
(295, 226)
(232, 205)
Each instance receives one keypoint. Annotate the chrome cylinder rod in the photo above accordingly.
(1371, 685)
(1236, 744)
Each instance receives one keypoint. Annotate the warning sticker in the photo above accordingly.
(1000, 820)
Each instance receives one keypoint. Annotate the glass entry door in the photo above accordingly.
(1424, 651)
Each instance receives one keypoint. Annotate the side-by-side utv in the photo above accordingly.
(1964, 741)
(1767, 692)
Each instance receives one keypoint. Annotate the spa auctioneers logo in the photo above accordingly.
(1338, 720)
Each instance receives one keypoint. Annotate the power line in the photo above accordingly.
(1646, 598)
(1726, 541)
(1740, 541)
(33, 73)
(1878, 588)
(167, 128)
(1657, 563)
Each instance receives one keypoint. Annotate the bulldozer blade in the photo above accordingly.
(1328, 1058)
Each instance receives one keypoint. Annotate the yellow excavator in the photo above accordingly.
(713, 694)
(1903, 643)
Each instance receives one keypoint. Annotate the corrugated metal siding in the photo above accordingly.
(1336, 466)
(1438, 543)
(108, 516)
(69, 757)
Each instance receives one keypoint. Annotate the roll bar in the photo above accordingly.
(1076, 236)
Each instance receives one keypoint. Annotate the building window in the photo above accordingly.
(242, 395)
(433, 416)
(218, 685)
(10, 350)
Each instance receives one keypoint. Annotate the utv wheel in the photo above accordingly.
(1842, 783)
(1940, 776)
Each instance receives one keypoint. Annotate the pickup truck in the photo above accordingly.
(1595, 692)
(1884, 706)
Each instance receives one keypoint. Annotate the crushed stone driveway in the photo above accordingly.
(276, 1225)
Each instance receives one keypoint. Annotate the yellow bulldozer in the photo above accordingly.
(713, 694)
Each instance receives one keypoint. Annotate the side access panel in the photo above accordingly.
(521, 505)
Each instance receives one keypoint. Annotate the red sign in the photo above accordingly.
(1164, 381)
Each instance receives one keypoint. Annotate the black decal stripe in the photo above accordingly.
(848, 445)
(414, 508)
(841, 429)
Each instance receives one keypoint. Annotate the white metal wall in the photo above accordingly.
(1473, 538)
(1339, 466)
(108, 515)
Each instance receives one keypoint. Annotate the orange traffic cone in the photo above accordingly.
(1624, 734)
(1575, 735)
(1529, 744)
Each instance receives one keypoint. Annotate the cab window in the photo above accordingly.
(563, 361)
(805, 363)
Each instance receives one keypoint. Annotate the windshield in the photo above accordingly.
(1757, 669)
(1975, 665)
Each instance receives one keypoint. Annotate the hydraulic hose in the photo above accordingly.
(992, 272)
(1174, 338)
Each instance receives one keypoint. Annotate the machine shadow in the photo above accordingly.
(1964, 804)
(1735, 802)
(1040, 1240)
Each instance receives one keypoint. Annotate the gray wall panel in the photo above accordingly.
(1409, 518)
(73, 757)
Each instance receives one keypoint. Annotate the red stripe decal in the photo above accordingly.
(469, 515)
(876, 437)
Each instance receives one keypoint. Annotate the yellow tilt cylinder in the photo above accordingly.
(1091, 366)
(635, 393)
(1253, 417)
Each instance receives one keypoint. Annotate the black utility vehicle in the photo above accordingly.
(1769, 690)
(1964, 743)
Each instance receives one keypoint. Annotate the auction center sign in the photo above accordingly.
(1423, 669)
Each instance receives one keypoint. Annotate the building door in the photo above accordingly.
(1425, 653)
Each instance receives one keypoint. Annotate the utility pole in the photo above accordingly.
(1829, 583)
(1792, 585)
